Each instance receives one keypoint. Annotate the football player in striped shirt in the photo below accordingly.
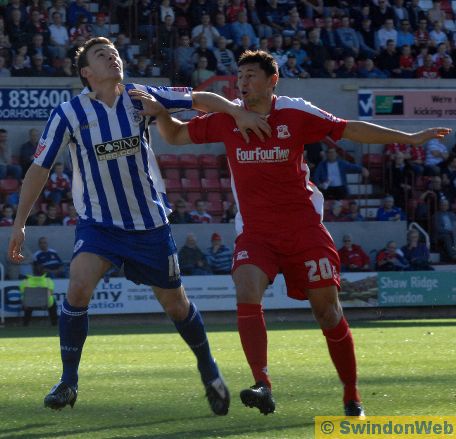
(120, 198)
(280, 214)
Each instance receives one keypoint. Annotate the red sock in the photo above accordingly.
(254, 339)
(342, 351)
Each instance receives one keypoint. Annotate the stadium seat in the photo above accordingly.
(210, 184)
(208, 161)
(168, 161)
(222, 161)
(173, 185)
(225, 184)
(192, 174)
(188, 161)
(172, 173)
(229, 197)
(191, 184)
(192, 197)
(214, 196)
(211, 173)
(173, 197)
(9, 185)
(215, 207)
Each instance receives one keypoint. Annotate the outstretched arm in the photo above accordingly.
(365, 132)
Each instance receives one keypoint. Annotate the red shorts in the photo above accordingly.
(307, 260)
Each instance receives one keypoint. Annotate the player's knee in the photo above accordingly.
(329, 316)
(177, 310)
(79, 293)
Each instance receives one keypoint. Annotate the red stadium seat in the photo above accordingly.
(188, 161)
(192, 174)
(225, 184)
(174, 196)
(9, 185)
(211, 173)
(173, 185)
(214, 196)
(191, 185)
(192, 197)
(172, 173)
(229, 197)
(373, 160)
(168, 161)
(210, 184)
(208, 161)
(215, 207)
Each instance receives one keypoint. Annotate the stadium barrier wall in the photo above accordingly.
(217, 293)
(371, 235)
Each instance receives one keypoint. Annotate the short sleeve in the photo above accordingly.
(207, 128)
(56, 134)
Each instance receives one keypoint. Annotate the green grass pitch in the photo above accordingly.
(142, 382)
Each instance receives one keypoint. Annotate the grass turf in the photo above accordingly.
(141, 382)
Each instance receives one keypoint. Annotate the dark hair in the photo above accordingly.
(81, 55)
(266, 61)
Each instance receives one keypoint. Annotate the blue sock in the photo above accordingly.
(73, 328)
(192, 331)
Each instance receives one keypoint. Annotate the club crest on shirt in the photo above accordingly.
(135, 116)
(242, 255)
(282, 132)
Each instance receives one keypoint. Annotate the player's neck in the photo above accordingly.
(108, 92)
(260, 106)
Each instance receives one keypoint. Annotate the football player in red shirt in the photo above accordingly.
(280, 213)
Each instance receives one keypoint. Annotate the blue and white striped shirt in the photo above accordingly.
(116, 179)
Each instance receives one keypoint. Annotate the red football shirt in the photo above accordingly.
(270, 179)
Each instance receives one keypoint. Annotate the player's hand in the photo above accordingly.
(431, 133)
(151, 107)
(251, 121)
(15, 245)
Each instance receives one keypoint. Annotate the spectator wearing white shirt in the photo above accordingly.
(59, 39)
(385, 33)
(205, 29)
(437, 35)
(166, 9)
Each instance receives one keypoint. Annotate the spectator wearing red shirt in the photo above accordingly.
(336, 213)
(407, 62)
(429, 70)
(233, 10)
(391, 149)
(422, 37)
(352, 256)
(7, 216)
(199, 215)
(58, 186)
(72, 218)
(417, 159)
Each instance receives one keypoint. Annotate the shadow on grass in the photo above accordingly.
(210, 432)
(168, 327)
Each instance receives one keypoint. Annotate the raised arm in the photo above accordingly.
(365, 132)
(34, 181)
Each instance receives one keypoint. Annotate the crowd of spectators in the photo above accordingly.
(192, 40)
